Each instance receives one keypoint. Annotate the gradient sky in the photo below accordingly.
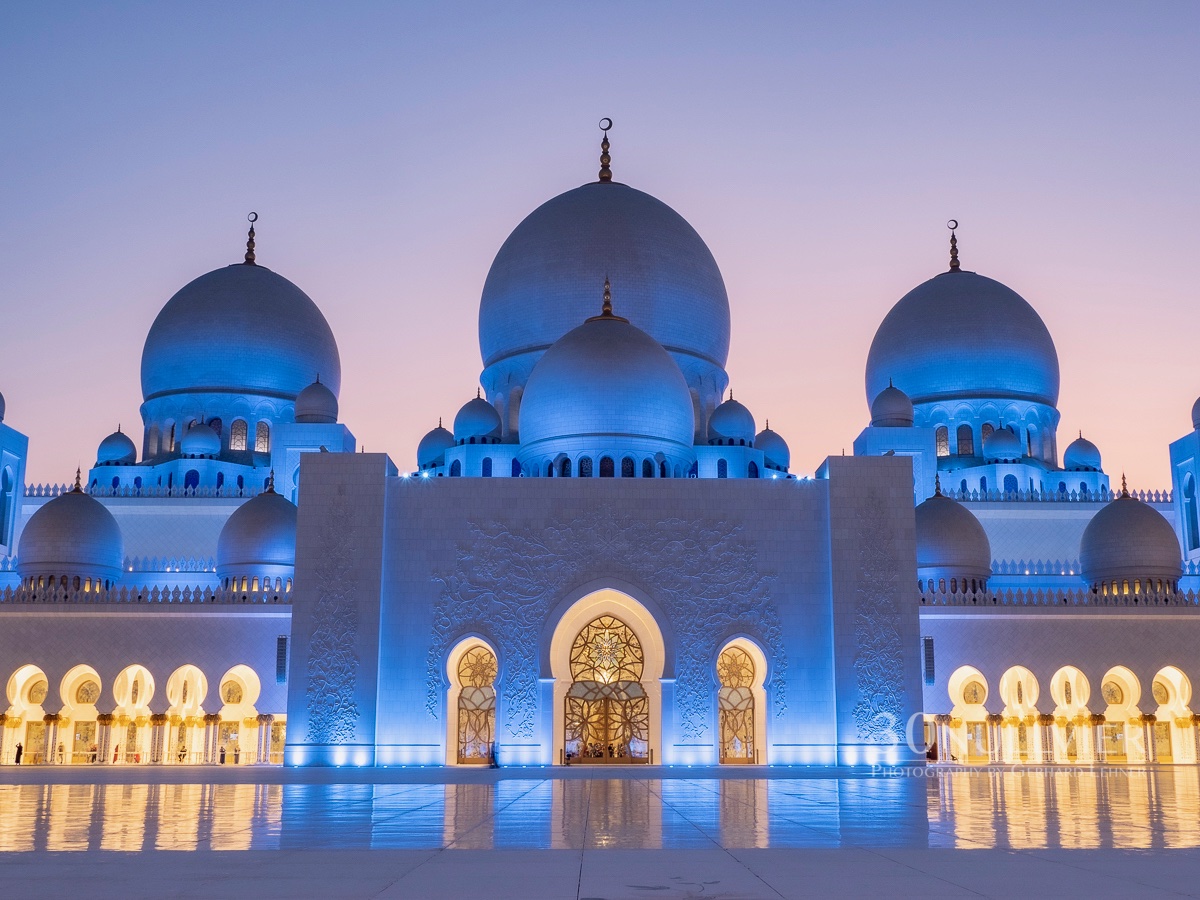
(389, 149)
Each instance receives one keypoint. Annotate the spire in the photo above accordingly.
(937, 485)
(1124, 489)
(606, 309)
(78, 489)
(252, 218)
(952, 225)
(605, 159)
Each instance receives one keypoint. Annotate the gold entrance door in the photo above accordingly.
(735, 707)
(607, 723)
(476, 706)
(607, 714)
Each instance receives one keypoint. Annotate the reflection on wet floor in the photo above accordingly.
(1158, 808)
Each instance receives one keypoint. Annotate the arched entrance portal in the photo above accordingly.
(735, 706)
(476, 705)
(607, 714)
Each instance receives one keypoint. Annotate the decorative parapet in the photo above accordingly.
(1072, 597)
(1061, 567)
(148, 491)
(172, 564)
(1103, 495)
(135, 595)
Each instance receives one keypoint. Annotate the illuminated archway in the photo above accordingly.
(607, 657)
(741, 670)
(78, 732)
(186, 690)
(27, 691)
(237, 733)
(472, 668)
(1070, 690)
(1173, 741)
(969, 736)
(1123, 740)
(132, 691)
(1019, 690)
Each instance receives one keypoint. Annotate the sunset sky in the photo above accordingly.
(390, 148)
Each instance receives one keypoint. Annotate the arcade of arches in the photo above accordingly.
(1114, 725)
(81, 724)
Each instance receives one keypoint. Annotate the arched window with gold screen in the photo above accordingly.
(476, 705)
(607, 712)
(735, 705)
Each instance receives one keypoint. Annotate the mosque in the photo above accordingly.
(605, 561)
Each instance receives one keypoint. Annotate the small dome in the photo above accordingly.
(1081, 455)
(731, 423)
(476, 419)
(259, 538)
(200, 440)
(1002, 446)
(891, 409)
(116, 450)
(187, 347)
(774, 448)
(316, 404)
(72, 535)
(2, 407)
(1128, 540)
(1195, 413)
(607, 385)
(950, 541)
(432, 449)
(961, 335)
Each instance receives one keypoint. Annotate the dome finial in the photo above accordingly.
(952, 225)
(271, 482)
(78, 489)
(605, 159)
(1124, 489)
(606, 309)
(476, 393)
(731, 393)
(439, 421)
(252, 218)
(937, 484)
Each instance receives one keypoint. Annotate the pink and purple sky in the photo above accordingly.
(390, 148)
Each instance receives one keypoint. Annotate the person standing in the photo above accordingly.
(20, 753)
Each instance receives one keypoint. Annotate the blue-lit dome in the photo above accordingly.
(432, 449)
(72, 536)
(316, 404)
(892, 409)
(200, 441)
(951, 542)
(731, 423)
(1082, 455)
(259, 538)
(1129, 540)
(1002, 446)
(239, 330)
(543, 280)
(774, 448)
(116, 450)
(476, 420)
(603, 386)
(1195, 413)
(963, 336)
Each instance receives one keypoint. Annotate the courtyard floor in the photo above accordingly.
(598, 833)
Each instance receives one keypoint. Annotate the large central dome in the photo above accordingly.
(241, 329)
(543, 281)
(963, 336)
